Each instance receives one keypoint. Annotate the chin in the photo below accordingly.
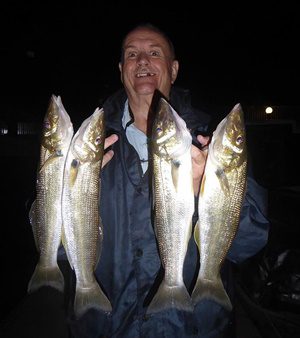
(145, 89)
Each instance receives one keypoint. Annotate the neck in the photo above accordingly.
(140, 110)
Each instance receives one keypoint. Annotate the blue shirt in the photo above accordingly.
(135, 137)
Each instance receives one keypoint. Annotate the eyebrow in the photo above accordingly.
(151, 46)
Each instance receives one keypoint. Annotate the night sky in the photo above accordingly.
(227, 55)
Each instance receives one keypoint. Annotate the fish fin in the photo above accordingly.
(46, 276)
(223, 181)
(170, 297)
(197, 235)
(90, 297)
(174, 172)
(74, 171)
(98, 249)
(65, 245)
(32, 219)
(213, 290)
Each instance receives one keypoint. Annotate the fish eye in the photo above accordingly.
(98, 140)
(239, 139)
(47, 124)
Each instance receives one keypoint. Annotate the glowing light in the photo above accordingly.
(269, 110)
(3, 131)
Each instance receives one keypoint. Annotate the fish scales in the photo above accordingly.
(45, 212)
(166, 202)
(173, 204)
(82, 230)
(220, 201)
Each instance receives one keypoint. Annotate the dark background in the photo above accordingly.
(227, 54)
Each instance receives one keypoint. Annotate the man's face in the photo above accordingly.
(147, 64)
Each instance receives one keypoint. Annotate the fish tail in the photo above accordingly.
(46, 276)
(170, 297)
(90, 297)
(211, 289)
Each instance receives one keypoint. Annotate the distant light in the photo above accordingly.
(3, 131)
(3, 128)
(269, 110)
(26, 128)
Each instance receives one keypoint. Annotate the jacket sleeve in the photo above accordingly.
(252, 234)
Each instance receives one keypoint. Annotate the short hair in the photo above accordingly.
(152, 28)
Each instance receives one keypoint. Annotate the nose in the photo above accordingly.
(143, 58)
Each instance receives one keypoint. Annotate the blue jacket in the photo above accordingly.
(129, 270)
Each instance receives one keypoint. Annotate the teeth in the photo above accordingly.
(144, 74)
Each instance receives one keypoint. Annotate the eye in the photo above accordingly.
(98, 140)
(158, 130)
(239, 139)
(47, 124)
(154, 53)
(131, 54)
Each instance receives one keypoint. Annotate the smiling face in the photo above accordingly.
(147, 64)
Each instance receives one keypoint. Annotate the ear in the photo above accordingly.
(175, 67)
(121, 72)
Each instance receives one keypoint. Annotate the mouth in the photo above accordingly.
(144, 74)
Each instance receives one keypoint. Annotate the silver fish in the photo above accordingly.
(174, 204)
(45, 212)
(220, 201)
(82, 227)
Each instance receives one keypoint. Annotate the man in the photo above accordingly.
(130, 269)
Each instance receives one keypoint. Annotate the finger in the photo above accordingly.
(203, 140)
(198, 155)
(110, 140)
(195, 152)
(107, 157)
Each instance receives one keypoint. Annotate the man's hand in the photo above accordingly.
(198, 161)
(107, 143)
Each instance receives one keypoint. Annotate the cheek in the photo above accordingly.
(128, 73)
(167, 78)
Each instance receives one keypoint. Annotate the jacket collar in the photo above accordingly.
(113, 110)
(179, 99)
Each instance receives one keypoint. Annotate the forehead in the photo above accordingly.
(144, 36)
